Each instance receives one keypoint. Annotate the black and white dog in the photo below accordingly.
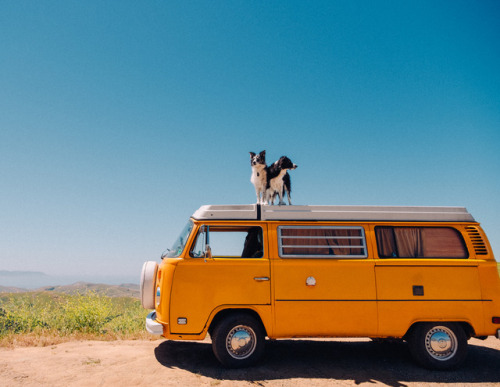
(259, 175)
(271, 181)
(278, 181)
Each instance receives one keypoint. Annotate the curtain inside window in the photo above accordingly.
(419, 242)
(409, 242)
(386, 242)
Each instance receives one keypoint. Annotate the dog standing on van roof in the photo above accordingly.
(278, 180)
(259, 175)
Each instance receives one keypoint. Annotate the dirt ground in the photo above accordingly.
(286, 363)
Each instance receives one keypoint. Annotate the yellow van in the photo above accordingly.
(243, 273)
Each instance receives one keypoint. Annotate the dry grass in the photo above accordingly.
(46, 339)
(43, 319)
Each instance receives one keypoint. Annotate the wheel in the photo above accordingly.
(148, 282)
(439, 346)
(238, 340)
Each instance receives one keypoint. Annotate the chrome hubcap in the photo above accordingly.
(241, 342)
(441, 343)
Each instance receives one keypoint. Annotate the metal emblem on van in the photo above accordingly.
(311, 281)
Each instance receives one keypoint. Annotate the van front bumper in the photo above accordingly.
(498, 333)
(152, 326)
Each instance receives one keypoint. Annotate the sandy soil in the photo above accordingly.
(286, 363)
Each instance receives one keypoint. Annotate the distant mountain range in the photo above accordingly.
(35, 280)
(123, 290)
(21, 273)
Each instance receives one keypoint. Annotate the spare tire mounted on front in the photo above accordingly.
(148, 284)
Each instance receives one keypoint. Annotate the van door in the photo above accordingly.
(324, 282)
(236, 274)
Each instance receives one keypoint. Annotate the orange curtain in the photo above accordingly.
(386, 242)
(409, 242)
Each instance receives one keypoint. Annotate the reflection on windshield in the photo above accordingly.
(180, 242)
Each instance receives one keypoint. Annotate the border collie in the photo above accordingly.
(278, 180)
(259, 175)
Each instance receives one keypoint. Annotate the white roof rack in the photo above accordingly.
(341, 213)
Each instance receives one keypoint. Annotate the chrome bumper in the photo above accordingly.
(498, 334)
(152, 326)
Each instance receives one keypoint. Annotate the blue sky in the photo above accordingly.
(119, 119)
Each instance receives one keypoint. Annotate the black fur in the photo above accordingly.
(278, 180)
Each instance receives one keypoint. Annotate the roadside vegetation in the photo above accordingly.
(46, 318)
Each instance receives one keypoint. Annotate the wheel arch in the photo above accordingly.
(466, 326)
(226, 312)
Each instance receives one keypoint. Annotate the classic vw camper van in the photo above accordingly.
(243, 273)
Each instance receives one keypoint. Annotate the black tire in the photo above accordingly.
(238, 340)
(438, 346)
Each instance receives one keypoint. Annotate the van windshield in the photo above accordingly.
(180, 242)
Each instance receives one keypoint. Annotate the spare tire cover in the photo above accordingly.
(148, 281)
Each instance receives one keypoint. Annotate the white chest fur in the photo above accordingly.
(259, 176)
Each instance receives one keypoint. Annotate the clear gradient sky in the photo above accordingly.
(118, 119)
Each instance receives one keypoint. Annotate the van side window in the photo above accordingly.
(321, 242)
(230, 242)
(420, 242)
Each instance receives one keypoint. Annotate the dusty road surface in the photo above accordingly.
(286, 363)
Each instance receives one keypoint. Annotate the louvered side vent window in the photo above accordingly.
(321, 242)
(477, 240)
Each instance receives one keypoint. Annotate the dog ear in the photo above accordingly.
(263, 153)
(252, 154)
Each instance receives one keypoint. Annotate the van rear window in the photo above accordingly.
(321, 242)
(420, 242)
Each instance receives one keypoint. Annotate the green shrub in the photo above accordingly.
(88, 313)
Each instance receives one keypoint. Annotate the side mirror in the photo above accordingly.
(208, 250)
(164, 254)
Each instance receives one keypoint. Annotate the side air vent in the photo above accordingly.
(477, 240)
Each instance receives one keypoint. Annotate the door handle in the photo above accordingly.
(260, 279)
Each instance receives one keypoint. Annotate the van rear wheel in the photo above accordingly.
(238, 341)
(439, 346)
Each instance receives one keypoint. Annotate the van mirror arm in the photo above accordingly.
(164, 254)
(208, 250)
(208, 253)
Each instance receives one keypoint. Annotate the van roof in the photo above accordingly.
(341, 213)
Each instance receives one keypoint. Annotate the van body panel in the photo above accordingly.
(341, 302)
(417, 281)
(316, 318)
(164, 280)
(490, 285)
(413, 290)
(199, 287)
(396, 317)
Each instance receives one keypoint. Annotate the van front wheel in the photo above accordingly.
(438, 346)
(238, 341)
